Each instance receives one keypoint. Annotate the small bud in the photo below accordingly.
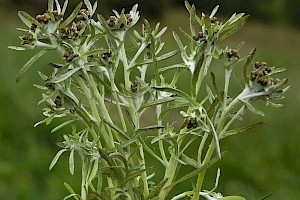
(111, 21)
(33, 27)
(106, 55)
(233, 54)
(214, 20)
(58, 102)
(134, 86)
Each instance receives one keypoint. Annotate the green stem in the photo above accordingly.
(125, 62)
(212, 145)
(169, 174)
(171, 168)
(160, 142)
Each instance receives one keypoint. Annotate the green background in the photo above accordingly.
(262, 161)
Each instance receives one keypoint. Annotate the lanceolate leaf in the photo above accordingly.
(50, 5)
(157, 189)
(196, 171)
(63, 125)
(133, 175)
(29, 63)
(157, 102)
(246, 65)
(178, 92)
(71, 17)
(159, 58)
(56, 157)
(232, 198)
(70, 189)
(17, 48)
(64, 76)
(231, 32)
(27, 19)
(240, 130)
(71, 162)
(94, 171)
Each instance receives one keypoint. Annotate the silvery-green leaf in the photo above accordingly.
(189, 161)
(214, 11)
(17, 48)
(50, 5)
(63, 125)
(88, 5)
(73, 194)
(254, 110)
(47, 120)
(178, 92)
(240, 130)
(157, 189)
(159, 58)
(231, 32)
(94, 171)
(71, 162)
(64, 8)
(71, 17)
(157, 102)
(58, 8)
(46, 98)
(172, 67)
(232, 198)
(178, 41)
(27, 19)
(247, 64)
(64, 76)
(210, 95)
(94, 8)
(29, 64)
(195, 172)
(158, 35)
(56, 157)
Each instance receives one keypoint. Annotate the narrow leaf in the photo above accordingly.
(232, 198)
(158, 35)
(72, 16)
(157, 189)
(195, 172)
(172, 67)
(71, 162)
(50, 5)
(178, 41)
(58, 8)
(17, 48)
(64, 8)
(267, 196)
(28, 64)
(88, 5)
(27, 19)
(176, 91)
(70, 189)
(215, 10)
(64, 76)
(133, 175)
(56, 157)
(157, 102)
(240, 130)
(63, 125)
(246, 65)
(253, 109)
(231, 32)
(94, 171)
(159, 58)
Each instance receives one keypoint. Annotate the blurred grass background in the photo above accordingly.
(262, 161)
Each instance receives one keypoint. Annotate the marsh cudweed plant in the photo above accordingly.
(101, 115)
